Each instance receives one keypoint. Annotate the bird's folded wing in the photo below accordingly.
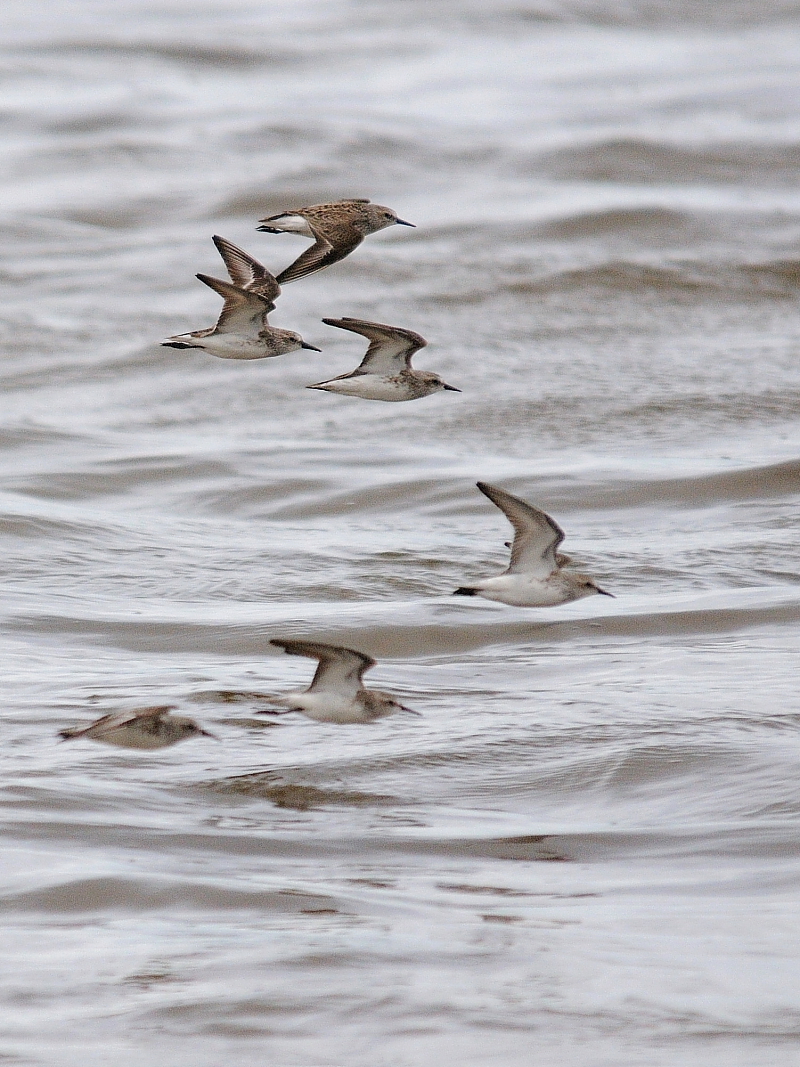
(315, 210)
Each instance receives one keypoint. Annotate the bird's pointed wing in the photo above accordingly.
(247, 272)
(390, 348)
(340, 669)
(329, 247)
(536, 535)
(242, 313)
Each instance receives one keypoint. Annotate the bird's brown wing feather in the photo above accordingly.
(242, 313)
(316, 210)
(332, 244)
(247, 272)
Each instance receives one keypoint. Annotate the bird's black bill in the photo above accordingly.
(176, 344)
(402, 222)
(450, 388)
(465, 592)
(305, 344)
(603, 592)
(268, 229)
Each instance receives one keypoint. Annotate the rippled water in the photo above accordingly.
(586, 851)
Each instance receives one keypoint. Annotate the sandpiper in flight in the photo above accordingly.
(242, 331)
(142, 728)
(385, 373)
(536, 576)
(336, 229)
(336, 693)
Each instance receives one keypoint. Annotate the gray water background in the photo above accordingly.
(586, 850)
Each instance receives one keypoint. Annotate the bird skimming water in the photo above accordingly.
(535, 577)
(242, 331)
(385, 372)
(336, 693)
(142, 728)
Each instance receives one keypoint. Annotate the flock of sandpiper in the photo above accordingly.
(537, 575)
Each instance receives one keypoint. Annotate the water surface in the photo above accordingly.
(588, 844)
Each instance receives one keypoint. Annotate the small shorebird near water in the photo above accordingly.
(336, 693)
(242, 331)
(536, 577)
(385, 372)
(142, 728)
(336, 230)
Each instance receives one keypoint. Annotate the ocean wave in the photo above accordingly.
(267, 785)
(387, 629)
(650, 162)
(774, 480)
(626, 221)
(662, 14)
(695, 279)
(223, 56)
(150, 894)
(297, 498)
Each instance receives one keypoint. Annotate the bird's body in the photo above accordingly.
(385, 373)
(528, 591)
(536, 576)
(146, 728)
(335, 228)
(242, 331)
(336, 693)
